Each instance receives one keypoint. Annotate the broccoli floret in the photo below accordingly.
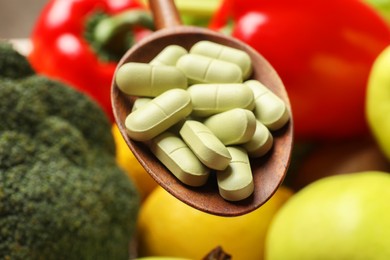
(13, 65)
(58, 134)
(17, 110)
(60, 211)
(62, 195)
(72, 105)
(15, 149)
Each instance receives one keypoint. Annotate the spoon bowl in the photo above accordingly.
(268, 171)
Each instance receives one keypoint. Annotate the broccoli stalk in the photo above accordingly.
(62, 195)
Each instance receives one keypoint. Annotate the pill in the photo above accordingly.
(139, 102)
(260, 143)
(269, 108)
(141, 79)
(202, 69)
(205, 145)
(209, 99)
(169, 55)
(171, 150)
(158, 115)
(176, 127)
(222, 52)
(236, 181)
(142, 101)
(235, 126)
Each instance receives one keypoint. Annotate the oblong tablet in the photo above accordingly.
(209, 99)
(139, 102)
(142, 79)
(174, 153)
(260, 143)
(269, 108)
(158, 115)
(205, 145)
(236, 181)
(202, 69)
(235, 126)
(169, 55)
(226, 53)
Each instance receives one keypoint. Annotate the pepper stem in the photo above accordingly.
(111, 36)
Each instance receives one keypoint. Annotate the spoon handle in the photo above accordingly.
(165, 13)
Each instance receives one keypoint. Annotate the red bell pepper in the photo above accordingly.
(323, 51)
(80, 42)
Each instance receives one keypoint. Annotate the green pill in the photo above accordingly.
(203, 69)
(209, 99)
(141, 79)
(260, 143)
(226, 53)
(174, 153)
(158, 115)
(236, 181)
(139, 102)
(205, 145)
(235, 126)
(269, 108)
(169, 55)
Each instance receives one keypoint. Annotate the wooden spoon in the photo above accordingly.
(268, 172)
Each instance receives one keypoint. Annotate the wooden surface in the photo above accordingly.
(165, 14)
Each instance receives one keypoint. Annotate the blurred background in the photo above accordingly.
(17, 17)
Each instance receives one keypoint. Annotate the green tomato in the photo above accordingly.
(339, 217)
(378, 101)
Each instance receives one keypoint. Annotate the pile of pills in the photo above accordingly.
(198, 112)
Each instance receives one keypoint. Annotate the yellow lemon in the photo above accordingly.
(168, 227)
(125, 159)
